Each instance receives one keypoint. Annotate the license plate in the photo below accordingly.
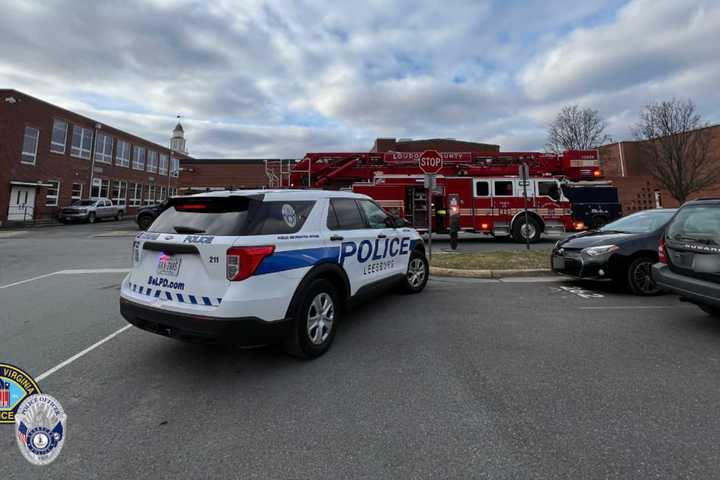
(558, 263)
(169, 265)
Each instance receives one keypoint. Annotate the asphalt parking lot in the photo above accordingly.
(522, 378)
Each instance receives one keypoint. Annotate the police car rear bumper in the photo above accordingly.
(239, 330)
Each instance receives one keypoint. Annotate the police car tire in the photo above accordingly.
(406, 286)
(299, 343)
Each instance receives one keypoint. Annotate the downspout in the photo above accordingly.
(622, 160)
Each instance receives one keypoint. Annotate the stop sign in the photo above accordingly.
(430, 162)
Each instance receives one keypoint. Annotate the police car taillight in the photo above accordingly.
(243, 261)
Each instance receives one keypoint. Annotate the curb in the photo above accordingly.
(456, 272)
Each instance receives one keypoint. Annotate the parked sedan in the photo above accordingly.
(91, 210)
(623, 251)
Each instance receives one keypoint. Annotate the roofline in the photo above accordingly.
(612, 144)
(132, 135)
(235, 161)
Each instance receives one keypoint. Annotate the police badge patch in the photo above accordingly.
(289, 215)
(40, 427)
(15, 386)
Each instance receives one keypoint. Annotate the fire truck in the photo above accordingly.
(482, 192)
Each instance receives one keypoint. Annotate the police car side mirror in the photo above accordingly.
(390, 222)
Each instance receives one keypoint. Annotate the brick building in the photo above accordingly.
(50, 157)
(440, 144)
(624, 164)
(199, 175)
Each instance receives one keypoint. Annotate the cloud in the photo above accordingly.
(280, 78)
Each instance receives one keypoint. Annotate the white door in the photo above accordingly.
(22, 203)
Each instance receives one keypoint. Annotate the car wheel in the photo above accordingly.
(417, 274)
(91, 217)
(119, 216)
(144, 222)
(639, 277)
(521, 230)
(315, 321)
(710, 310)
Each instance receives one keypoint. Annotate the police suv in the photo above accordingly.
(264, 266)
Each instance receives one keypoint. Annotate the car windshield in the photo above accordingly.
(697, 223)
(641, 222)
(83, 203)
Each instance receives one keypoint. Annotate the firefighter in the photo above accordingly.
(454, 210)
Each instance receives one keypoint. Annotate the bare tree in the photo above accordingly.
(676, 145)
(577, 129)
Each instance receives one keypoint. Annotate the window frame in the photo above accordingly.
(494, 191)
(123, 161)
(136, 198)
(33, 154)
(80, 149)
(73, 197)
(103, 156)
(55, 197)
(136, 164)
(163, 171)
(53, 143)
(360, 202)
(151, 165)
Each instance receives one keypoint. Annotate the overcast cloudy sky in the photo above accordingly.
(280, 78)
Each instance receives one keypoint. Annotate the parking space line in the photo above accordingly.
(67, 272)
(632, 307)
(89, 349)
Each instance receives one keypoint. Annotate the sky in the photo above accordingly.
(276, 79)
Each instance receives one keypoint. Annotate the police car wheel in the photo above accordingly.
(417, 273)
(316, 320)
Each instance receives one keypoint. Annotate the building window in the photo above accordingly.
(138, 158)
(103, 148)
(105, 188)
(174, 167)
(81, 142)
(152, 161)
(163, 164)
(77, 189)
(163, 194)
(59, 136)
(119, 193)
(51, 198)
(150, 195)
(122, 154)
(95, 189)
(30, 144)
(135, 194)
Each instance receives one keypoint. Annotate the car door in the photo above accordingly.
(348, 230)
(390, 255)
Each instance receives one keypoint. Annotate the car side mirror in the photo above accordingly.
(390, 221)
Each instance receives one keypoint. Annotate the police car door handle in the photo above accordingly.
(382, 235)
(337, 238)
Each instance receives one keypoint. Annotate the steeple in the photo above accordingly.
(177, 141)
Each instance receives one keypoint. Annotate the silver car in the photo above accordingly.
(91, 210)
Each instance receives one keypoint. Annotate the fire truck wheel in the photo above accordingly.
(520, 230)
(417, 273)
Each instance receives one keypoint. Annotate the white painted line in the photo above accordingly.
(12, 234)
(632, 307)
(67, 272)
(89, 349)
(28, 280)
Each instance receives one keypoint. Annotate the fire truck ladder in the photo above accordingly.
(277, 172)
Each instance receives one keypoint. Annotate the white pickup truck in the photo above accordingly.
(91, 210)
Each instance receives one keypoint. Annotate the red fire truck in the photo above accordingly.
(482, 190)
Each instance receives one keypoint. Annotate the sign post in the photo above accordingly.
(430, 162)
(524, 176)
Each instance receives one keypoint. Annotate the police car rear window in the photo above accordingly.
(232, 216)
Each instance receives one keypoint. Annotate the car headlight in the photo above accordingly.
(600, 250)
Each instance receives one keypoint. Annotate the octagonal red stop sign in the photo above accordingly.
(430, 161)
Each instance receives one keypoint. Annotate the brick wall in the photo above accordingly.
(198, 174)
(635, 184)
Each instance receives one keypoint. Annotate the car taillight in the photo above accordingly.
(662, 254)
(243, 261)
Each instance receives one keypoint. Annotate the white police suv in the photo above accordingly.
(260, 266)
